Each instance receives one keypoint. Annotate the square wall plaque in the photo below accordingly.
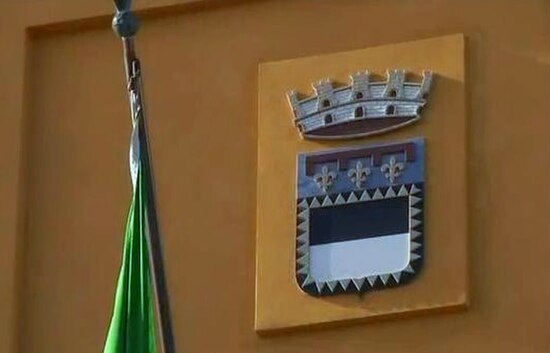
(345, 223)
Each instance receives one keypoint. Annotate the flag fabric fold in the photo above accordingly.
(133, 324)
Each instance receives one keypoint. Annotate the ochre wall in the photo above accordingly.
(65, 186)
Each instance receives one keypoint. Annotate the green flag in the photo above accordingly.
(141, 285)
(132, 328)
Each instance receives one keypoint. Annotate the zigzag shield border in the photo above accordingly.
(415, 195)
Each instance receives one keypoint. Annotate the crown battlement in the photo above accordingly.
(363, 108)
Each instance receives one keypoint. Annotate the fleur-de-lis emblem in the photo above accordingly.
(325, 178)
(393, 169)
(358, 174)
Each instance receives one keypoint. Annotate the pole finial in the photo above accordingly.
(125, 23)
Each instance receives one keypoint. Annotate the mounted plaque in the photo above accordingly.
(361, 185)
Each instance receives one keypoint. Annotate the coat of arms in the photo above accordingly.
(360, 209)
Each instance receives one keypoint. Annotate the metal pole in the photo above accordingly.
(126, 26)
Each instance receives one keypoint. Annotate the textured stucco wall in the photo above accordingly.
(65, 187)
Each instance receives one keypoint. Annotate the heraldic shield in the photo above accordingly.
(360, 217)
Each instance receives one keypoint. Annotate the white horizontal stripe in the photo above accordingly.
(360, 258)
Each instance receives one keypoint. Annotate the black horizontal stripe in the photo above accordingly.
(359, 220)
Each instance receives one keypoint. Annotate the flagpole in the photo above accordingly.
(126, 25)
